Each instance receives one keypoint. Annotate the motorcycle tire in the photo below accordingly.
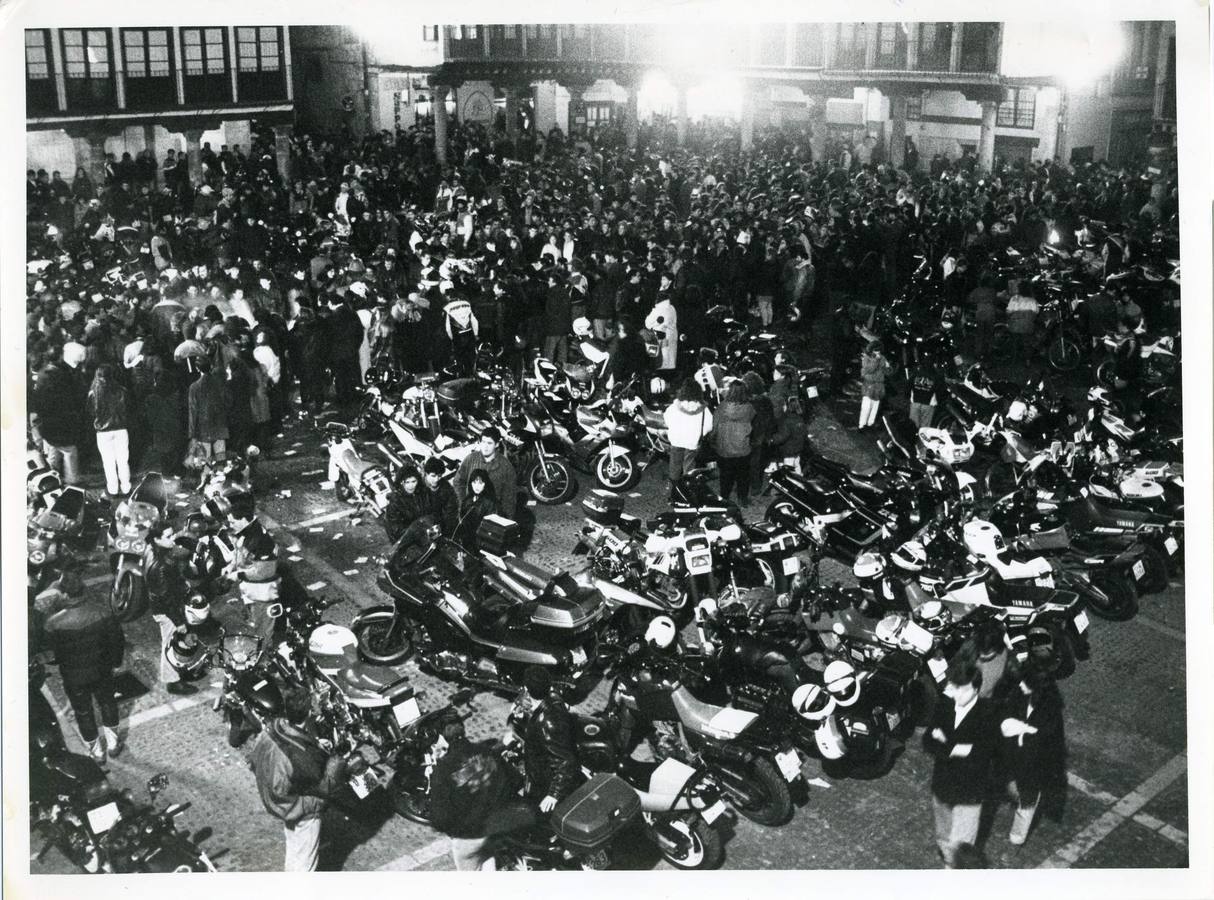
(616, 474)
(410, 804)
(1062, 660)
(370, 633)
(1156, 577)
(557, 487)
(129, 597)
(342, 488)
(1064, 353)
(868, 768)
(704, 848)
(771, 799)
(1114, 597)
(1106, 375)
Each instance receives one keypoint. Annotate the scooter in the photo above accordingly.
(357, 480)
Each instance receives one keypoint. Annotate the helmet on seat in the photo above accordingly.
(868, 565)
(934, 616)
(813, 703)
(581, 327)
(841, 681)
(910, 557)
(661, 632)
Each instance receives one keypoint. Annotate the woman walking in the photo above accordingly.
(687, 422)
(873, 369)
(731, 441)
(107, 406)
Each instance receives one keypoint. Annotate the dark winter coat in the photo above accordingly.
(963, 780)
(208, 415)
(731, 429)
(87, 640)
(59, 403)
(550, 754)
(1036, 761)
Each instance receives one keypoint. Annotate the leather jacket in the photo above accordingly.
(550, 751)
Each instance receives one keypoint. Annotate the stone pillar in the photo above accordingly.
(680, 112)
(119, 72)
(870, 44)
(90, 153)
(748, 116)
(512, 95)
(282, 150)
(193, 153)
(912, 48)
(897, 129)
(954, 50)
(631, 124)
(817, 125)
(986, 137)
(440, 122)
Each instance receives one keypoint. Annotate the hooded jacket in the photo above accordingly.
(687, 421)
(731, 430)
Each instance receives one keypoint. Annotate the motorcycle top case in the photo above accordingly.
(893, 672)
(459, 392)
(603, 507)
(496, 534)
(592, 815)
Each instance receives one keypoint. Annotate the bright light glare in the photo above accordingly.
(1076, 53)
(720, 96)
(656, 95)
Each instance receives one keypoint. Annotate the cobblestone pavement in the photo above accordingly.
(1125, 719)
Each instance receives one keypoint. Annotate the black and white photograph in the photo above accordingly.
(693, 437)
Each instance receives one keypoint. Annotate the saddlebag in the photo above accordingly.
(592, 815)
(497, 534)
(603, 507)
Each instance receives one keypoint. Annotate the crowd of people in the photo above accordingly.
(173, 316)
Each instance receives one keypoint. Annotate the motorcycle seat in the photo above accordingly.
(1087, 513)
(707, 718)
(354, 464)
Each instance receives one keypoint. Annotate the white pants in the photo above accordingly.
(303, 845)
(168, 675)
(868, 411)
(115, 450)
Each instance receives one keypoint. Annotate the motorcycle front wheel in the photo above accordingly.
(377, 645)
(557, 486)
(411, 802)
(616, 473)
(1064, 353)
(699, 845)
(758, 791)
(129, 597)
(1112, 597)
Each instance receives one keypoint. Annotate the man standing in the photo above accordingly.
(441, 502)
(345, 333)
(962, 738)
(59, 411)
(500, 470)
(295, 777)
(549, 750)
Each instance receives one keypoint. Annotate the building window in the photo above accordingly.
(468, 32)
(1019, 110)
(914, 108)
(891, 45)
(430, 33)
(145, 53)
(258, 49)
(548, 32)
(86, 53)
(37, 55)
(203, 51)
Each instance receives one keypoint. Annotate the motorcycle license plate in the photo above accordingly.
(894, 720)
(792, 565)
(812, 392)
(1081, 622)
(714, 812)
(407, 711)
(790, 764)
(1140, 569)
(103, 818)
(937, 667)
(1171, 545)
(578, 655)
(699, 563)
(361, 785)
(959, 360)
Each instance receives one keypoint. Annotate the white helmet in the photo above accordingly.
(581, 327)
(868, 565)
(840, 679)
(661, 632)
(934, 616)
(657, 385)
(706, 609)
(812, 702)
(910, 557)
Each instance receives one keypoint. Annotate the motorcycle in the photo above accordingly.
(479, 618)
(754, 764)
(135, 520)
(355, 479)
(252, 689)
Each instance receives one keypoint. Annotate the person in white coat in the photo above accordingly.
(664, 320)
(688, 422)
